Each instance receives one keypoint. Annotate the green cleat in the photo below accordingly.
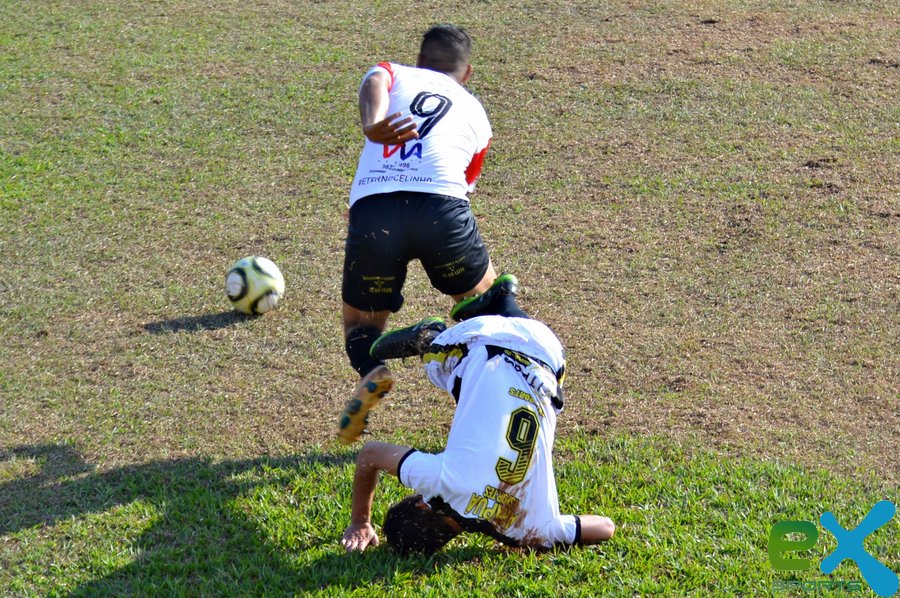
(410, 341)
(505, 284)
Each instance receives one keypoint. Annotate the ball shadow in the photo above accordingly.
(211, 321)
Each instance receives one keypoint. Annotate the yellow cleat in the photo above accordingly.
(370, 390)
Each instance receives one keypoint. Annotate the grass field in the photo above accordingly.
(702, 199)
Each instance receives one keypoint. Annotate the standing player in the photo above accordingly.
(495, 475)
(426, 139)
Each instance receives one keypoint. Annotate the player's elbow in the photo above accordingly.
(596, 528)
(381, 456)
(368, 452)
(608, 528)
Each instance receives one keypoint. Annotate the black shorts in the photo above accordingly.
(389, 230)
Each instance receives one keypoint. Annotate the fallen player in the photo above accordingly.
(495, 475)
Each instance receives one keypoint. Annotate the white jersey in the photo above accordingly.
(454, 135)
(497, 467)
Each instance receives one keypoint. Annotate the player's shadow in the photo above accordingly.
(200, 523)
(348, 572)
(211, 321)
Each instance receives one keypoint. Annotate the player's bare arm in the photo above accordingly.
(377, 125)
(374, 457)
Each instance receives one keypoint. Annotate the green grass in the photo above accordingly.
(688, 522)
(700, 198)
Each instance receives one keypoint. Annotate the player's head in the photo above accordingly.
(446, 49)
(411, 526)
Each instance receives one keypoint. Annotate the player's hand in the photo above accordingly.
(391, 131)
(359, 536)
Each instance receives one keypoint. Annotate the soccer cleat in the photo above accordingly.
(370, 390)
(410, 341)
(478, 305)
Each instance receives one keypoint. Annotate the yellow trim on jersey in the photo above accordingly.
(445, 353)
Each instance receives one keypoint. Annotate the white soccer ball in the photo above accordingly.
(254, 285)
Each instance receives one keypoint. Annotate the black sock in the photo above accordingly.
(506, 305)
(358, 342)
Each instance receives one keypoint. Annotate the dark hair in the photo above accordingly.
(446, 48)
(411, 529)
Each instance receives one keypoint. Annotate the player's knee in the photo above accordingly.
(357, 318)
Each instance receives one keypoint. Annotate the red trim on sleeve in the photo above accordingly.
(387, 66)
(475, 166)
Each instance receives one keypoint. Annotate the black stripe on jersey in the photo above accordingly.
(457, 389)
(495, 350)
(556, 400)
(577, 530)
(400, 463)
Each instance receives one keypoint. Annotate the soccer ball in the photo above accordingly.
(254, 285)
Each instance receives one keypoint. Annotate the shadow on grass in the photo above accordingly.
(340, 570)
(198, 541)
(212, 321)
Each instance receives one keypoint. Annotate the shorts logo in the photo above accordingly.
(379, 285)
(454, 268)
